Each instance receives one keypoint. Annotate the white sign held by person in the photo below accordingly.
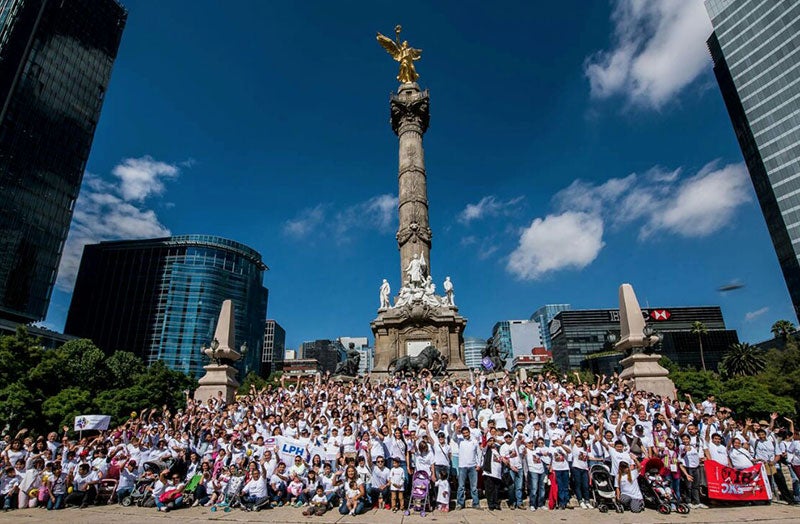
(289, 448)
(86, 422)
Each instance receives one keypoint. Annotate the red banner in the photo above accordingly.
(726, 483)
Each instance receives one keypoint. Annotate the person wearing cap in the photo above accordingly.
(512, 465)
(468, 456)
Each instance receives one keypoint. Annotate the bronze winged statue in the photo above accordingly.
(402, 53)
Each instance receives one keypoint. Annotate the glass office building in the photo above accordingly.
(543, 316)
(55, 65)
(272, 353)
(579, 335)
(473, 349)
(161, 298)
(755, 47)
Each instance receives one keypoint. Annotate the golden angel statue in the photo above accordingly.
(402, 53)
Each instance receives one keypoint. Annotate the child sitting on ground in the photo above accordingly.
(397, 479)
(443, 493)
(352, 494)
(319, 504)
(295, 489)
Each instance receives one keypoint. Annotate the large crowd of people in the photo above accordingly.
(532, 441)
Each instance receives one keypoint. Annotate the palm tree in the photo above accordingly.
(699, 329)
(743, 360)
(783, 329)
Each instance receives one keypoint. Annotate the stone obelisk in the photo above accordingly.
(419, 318)
(220, 377)
(641, 368)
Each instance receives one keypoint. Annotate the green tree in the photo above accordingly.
(783, 329)
(699, 329)
(123, 368)
(18, 354)
(84, 365)
(749, 397)
(252, 379)
(19, 407)
(743, 360)
(668, 364)
(551, 368)
(699, 384)
(62, 408)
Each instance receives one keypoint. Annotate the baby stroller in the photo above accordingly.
(141, 495)
(231, 498)
(603, 494)
(656, 491)
(420, 488)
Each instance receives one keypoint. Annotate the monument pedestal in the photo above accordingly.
(645, 373)
(406, 330)
(218, 377)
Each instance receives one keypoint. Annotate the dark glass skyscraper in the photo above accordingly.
(161, 298)
(55, 64)
(756, 51)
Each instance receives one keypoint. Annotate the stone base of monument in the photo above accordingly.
(643, 372)
(345, 379)
(217, 378)
(406, 330)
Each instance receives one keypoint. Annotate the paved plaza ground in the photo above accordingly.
(776, 513)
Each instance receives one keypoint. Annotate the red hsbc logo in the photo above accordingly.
(660, 314)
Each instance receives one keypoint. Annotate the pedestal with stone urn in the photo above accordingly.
(640, 368)
(220, 378)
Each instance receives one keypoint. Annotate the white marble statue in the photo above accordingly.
(404, 297)
(385, 290)
(448, 289)
(414, 271)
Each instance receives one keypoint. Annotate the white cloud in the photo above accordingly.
(658, 201)
(111, 211)
(752, 315)
(305, 222)
(377, 213)
(142, 177)
(702, 204)
(568, 240)
(488, 206)
(659, 49)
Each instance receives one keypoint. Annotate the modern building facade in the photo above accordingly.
(579, 335)
(515, 337)
(543, 316)
(272, 355)
(160, 298)
(532, 363)
(326, 352)
(473, 351)
(48, 339)
(55, 66)
(755, 47)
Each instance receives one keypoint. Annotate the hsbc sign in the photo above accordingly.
(660, 314)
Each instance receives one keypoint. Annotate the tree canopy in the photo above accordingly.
(43, 389)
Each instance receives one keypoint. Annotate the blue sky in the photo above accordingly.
(573, 146)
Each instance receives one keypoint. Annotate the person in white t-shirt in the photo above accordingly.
(443, 493)
(628, 492)
(254, 493)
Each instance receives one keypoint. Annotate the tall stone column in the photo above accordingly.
(410, 118)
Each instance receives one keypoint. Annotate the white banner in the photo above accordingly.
(289, 448)
(86, 422)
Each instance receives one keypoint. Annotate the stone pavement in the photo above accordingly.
(776, 513)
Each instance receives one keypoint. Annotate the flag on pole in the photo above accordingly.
(87, 422)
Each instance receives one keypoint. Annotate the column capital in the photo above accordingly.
(410, 107)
